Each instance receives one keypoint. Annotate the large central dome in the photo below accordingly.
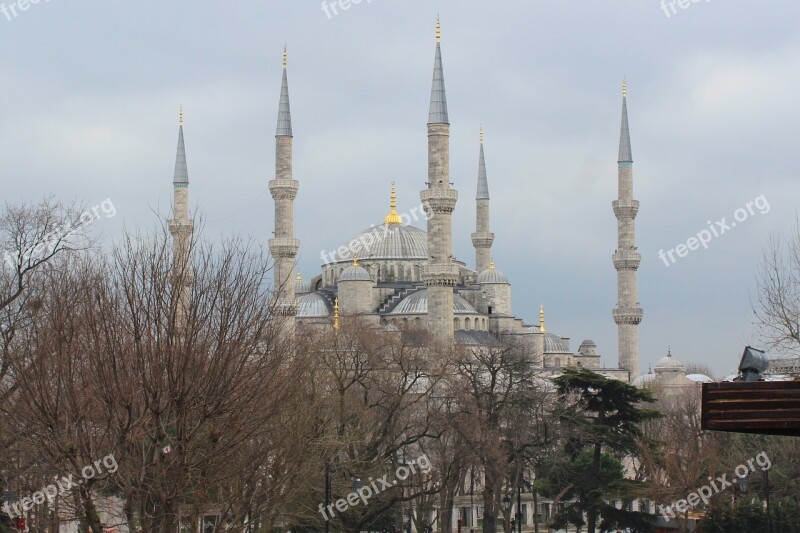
(387, 241)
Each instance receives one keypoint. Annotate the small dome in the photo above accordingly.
(416, 303)
(301, 286)
(492, 275)
(355, 273)
(555, 344)
(699, 378)
(312, 305)
(669, 363)
(588, 342)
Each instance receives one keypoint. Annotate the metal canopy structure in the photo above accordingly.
(763, 407)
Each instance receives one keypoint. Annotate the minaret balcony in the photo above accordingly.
(283, 246)
(625, 208)
(284, 189)
(482, 239)
(181, 227)
(440, 200)
(627, 315)
(627, 260)
(443, 275)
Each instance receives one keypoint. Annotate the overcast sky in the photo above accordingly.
(91, 93)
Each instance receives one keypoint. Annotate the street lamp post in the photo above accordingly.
(519, 507)
(506, 503)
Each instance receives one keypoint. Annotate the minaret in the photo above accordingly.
(440, 274)
(628, 314)
(181, 228)
(283, 188)
(482, 238)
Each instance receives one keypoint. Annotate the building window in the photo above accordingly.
(466, 323)
(456, 324)
(210, 523)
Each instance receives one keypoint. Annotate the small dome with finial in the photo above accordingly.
(355, 273)
(492, 276)
(301, 286)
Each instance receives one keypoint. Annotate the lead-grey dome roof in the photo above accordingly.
(312, 305)
(669, 363)
(492, 275)
(416, 303)
(388, 241)
(355, 273)
(555, 344)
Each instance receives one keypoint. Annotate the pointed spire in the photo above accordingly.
(624, 134)
(541, 319)
(284, 112)
(483, 181)
(438, 109)
(393, 217)
(181, 170)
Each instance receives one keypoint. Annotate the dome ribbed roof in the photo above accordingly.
(355, 273)
(699, 378)
(643, 379)
(313, 305)
(301, 286)
(387, 241)
(555, 344)
(492, 275)
(669, 363)
(417, 304)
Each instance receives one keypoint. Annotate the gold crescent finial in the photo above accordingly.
(180, 116)
(541, 319)
(491, 264)
(355, 261)
(284, 57)
(624, 88)
(299, 277)
(393, 217)
(438, 30)
(336, 313)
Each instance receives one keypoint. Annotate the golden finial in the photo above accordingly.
(336, 313)
(491, 264)
(624, 88)
(541, 319)
(481, 133)
(438, 30)
(393, 217)
(284, 57)
(355, 261)
(299, 277)
(180, 116)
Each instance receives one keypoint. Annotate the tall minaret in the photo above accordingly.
(181, 228)
(283, 188)
(628, 314)
(440, 274)
(482, 238)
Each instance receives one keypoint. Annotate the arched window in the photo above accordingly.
(417, 323)
(484, 324)
(466, 323)
(456, 323)
(405, 323)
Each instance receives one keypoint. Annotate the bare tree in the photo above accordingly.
(777, 303)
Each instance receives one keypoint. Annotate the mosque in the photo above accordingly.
(398, 277)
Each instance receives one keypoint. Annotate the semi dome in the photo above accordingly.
(312, 305)
(355, 273)
(417, 304)
(644, 380)
(555, 344)
(387, 241)
(699, 378)
(492, 275)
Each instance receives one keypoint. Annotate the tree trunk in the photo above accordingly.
(591, 522)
